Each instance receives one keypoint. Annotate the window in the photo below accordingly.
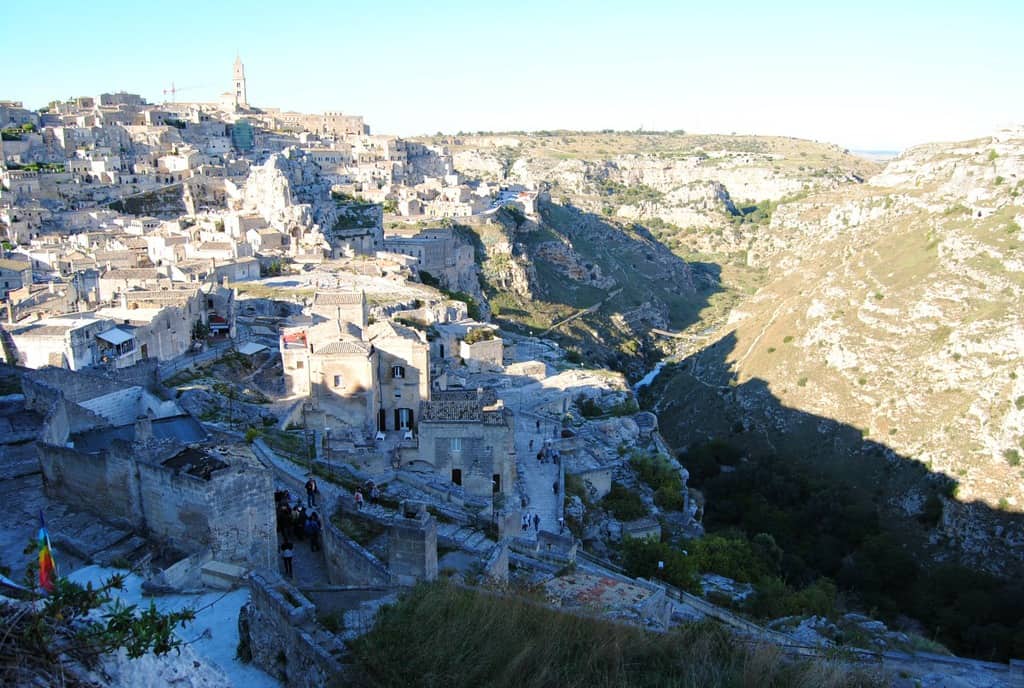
(398, 394)
(398, 371)
(299, 365)
(455, 445)
(337, 380)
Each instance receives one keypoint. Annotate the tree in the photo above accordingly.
(52, 640)
(200, 331)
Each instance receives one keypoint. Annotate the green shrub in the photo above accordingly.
(625, 504)
(1012, 457)
(654, 469)
(669, 498)
(441, 635)
(730, 556)
(251, 434)
(575, 487)
(772, 598)
(640, 559)
(480, 334)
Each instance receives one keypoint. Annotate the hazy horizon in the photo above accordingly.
(873, 77)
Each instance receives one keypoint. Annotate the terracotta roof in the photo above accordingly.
(337, 298)
(16, 265)
(132, 274)
(349, 347)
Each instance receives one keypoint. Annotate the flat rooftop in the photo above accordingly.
(183, 428)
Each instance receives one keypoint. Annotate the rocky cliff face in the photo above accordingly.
(894, 308)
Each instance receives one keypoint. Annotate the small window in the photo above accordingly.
(455, 445)
(398, 394)
(299, 364)
(337, 380)
(398, 371)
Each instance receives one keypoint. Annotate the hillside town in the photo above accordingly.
(223, 322)
(246, 350)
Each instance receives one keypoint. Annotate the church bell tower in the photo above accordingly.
(241, 101)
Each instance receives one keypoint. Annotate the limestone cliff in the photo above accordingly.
(894, 308)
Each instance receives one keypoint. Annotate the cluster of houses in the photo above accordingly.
(126, 225)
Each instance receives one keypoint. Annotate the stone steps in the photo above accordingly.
(222, 576)
(478, 541)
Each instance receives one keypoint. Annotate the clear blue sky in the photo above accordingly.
(866, 75)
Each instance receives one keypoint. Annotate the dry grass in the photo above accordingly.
(439, 635)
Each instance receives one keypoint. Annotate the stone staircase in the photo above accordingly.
(463, 537)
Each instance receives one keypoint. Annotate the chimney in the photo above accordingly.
(124, 300)
(10, 313)
(224, 280)
(52, 288)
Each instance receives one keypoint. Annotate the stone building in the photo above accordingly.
(343, 306)
(161, 322)
(70, 341)
(130, 458)
(371, 378)
(468, 437)
(14, 274)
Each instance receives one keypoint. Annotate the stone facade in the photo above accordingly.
(278, 632)
(468, 437)
(142, 474)
(348, 563)
(412, 545)
(366, 378)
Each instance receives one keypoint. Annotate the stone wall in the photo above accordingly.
(42, 387)
(412, 545)
(348, 563)
(483, 452)
(232, 513)
(496, 564)
(277, 628)
(102, 483)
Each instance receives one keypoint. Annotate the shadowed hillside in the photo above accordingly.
(888, 529)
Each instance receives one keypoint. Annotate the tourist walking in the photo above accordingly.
(554, 487)
(359, 500)
(287, 552)
(374, 494)
(311, 492)
(313, 532)
(526, 521)
(298, 521)
(536, 522)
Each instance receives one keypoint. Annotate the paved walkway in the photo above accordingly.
(538, 478)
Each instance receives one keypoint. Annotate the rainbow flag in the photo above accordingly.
(47, 567)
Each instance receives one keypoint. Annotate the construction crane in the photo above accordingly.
(173, 90)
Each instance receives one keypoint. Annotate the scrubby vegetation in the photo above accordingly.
(624, 503)
(440, 635)
(826, 538)
(52, 640)
(662, 476)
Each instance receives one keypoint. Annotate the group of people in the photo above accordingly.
(370, 489)
(529, 520)
(547, 453)
(295, 521)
